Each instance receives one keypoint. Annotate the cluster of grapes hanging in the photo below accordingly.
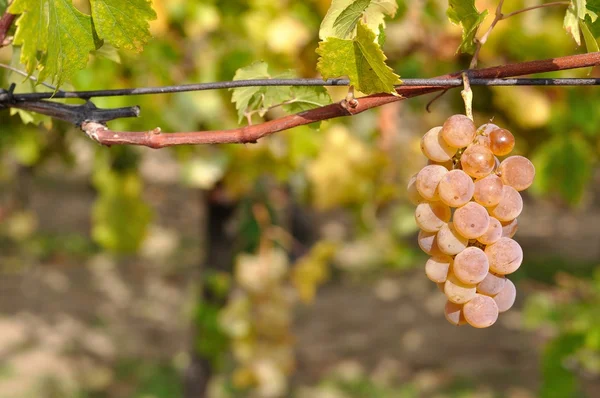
(467, 208)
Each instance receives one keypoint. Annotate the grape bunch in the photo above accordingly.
(467, 203)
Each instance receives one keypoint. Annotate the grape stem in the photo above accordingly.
(499, 16)
(467, 95)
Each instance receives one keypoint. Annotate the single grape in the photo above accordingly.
(471, 220)
(456, 188)
(506, 297)
(413, 194)
(457, 291)
(471, 265)
(458, 131)
(435, 148)
(428, 180)
(454, 313)
(450, 241)
(428, 243)
(492, 284)
(509, 207)
(488, 190)
(431, 216)
(486, 129)
(517, 171)
(505, 256)
(477, 161)
(493, 233)
(481, 311)
(436, 268)
(502, 142)
(510, 228)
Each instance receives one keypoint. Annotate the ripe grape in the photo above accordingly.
(471, 220)
(456, 188)
(428, 242)
(493, 233)
(488, 190)
(457, 291)
(517, 171)
(486, 129)
(510, 228)
(454, 313)
(477, 161)
(413, 194)
(506, 297)
(492, 284)
(509, 207)
(436, 268)
(428, 180)
(471, 265)
(481, 311)
(435, 148)
(502, 142)
(450, 241)
(505, 256)
(458, 131)
(430, 217)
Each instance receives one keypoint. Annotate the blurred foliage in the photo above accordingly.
(352, 169)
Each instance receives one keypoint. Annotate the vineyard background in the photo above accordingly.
(102, 250)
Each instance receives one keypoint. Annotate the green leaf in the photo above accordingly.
(465, 14)
(124, 24)
(590, 41)
(57, 30)
(558, 381)
(305, 98)
(343, 15)
(571, 24)
(361, 59)
(246, 97)
(564, 166)
(3, 6)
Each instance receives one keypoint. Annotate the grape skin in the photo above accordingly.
(505, 256)
(493, 233)
(437, 267)
(510, 206)
(456, 188)
(450, 241)
(477, 161)
(413, 194)
(471, 265)
(506, 297)
(471, 220)
(502, 142)
(481, 311)
(454, 314)
(488, 190)
(458, 131)
(428, 242)
(431, 216)
(517, 171)
(435, 148)
(492, 284)
(510, 228)
(428, 180)
(457, 291)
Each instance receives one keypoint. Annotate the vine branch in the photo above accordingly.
(249, 134)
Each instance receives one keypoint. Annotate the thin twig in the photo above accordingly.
(154, 139)
(467, 95)
(5, 23)
(552, 4)
(30, 77)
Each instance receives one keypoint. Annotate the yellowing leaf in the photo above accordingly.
(465, 14)
(361, 59)
(57, 30)
(124, 24)
(571, 25)
(343, 15)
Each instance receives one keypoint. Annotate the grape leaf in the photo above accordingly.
(590, 41)
(465, 14)
(343, 15)
(361, 59)
(59, 31)
(245, 97)
(124, 24)
(3, 6)
(571, 25)
(305, 98)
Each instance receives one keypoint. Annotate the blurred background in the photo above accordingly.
(288, 268)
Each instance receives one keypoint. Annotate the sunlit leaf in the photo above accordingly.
(361, 59)
(343, 15)
(465, 14)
